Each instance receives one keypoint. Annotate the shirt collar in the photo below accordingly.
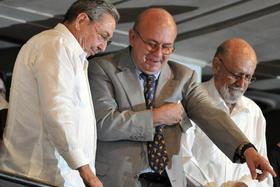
(72, 41)
(138, 72)
(241, 106)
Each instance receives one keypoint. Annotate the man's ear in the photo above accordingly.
(80, 20)
(215, 65)
(131, 37)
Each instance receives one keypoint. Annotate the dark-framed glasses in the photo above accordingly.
(166, 49)
(238, 76)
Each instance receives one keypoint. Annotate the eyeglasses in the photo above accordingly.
(153, 46)
(238, 76)
(103, 37)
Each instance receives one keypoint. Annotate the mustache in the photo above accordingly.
(236, 89)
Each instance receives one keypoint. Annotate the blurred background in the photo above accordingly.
(202, 26)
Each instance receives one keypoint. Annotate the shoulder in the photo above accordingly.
(51, 40)
(180, 70)
(178, 66)
(104, 61)
(104, 58)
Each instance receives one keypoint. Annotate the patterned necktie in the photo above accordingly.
(157, 154)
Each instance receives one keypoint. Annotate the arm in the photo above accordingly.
(260, 160)
(119, 119)
(256, 133)
(55, 76)
(88, 177)
(215, 123)
(116, 122)
(261, 144)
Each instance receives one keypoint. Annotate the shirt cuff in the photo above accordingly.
(75, 158)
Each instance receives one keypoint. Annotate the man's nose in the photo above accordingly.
(102, 46)
(242, 81)
(158, 50)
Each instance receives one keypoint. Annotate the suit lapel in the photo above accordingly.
(165, 86)
(130, 81)
(164, 77)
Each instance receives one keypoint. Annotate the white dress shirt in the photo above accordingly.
(211, 165)
(51, 128)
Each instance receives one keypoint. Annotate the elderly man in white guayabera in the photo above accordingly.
(234, 65)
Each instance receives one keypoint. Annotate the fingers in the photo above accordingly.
(252, 168)
(266, 169)
(181, 106)
(258, 163)
(261, 175)
(168, 114)
(271, 171)
(180, 111)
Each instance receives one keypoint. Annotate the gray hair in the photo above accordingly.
(93, 8)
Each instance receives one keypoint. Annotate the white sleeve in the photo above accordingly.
(55, 75)
(193, 171)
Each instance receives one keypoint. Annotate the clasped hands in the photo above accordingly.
(168, 114)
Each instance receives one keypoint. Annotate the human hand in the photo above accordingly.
(239, 184)
(210, 184)
(168, 114)
(234, 184)
(88, 177)
(256, 162)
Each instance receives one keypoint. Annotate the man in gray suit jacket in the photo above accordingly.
(125, 125)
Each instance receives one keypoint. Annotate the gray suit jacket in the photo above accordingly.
(124, 125)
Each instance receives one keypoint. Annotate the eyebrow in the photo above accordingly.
(105, 34)
(164, 44)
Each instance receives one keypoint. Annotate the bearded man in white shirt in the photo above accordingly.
(234, 65)
(50, 134)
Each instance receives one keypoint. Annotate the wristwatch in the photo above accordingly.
(239, 154)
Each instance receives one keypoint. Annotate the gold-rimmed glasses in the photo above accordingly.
(152, 46)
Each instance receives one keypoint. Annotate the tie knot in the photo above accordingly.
(147, 77)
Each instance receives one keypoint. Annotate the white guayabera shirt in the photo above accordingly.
(51, 128)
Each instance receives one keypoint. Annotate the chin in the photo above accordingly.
(155, 69)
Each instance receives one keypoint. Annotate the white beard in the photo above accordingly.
(231, 95)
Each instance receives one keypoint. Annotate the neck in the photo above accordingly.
(230, 106)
